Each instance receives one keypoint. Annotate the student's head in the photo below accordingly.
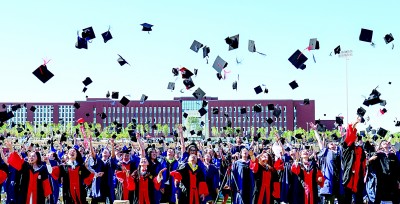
(244, 153)
(170, 152)
(106, 153)
(143, 162)
(304, 154)
(332, 146)
(207, 158)
(34, 158)
(384, 145)
(192, 159)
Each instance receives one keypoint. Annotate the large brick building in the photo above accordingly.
(294, 113)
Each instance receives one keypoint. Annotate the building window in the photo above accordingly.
(177, 109)
(173, 109)
(145, 109)
(163, 109)
(258, 119)
(284, 119)
(284, 108)
(234, 109)
(230, 108)
(168, 120)
(168, 110)
(141, 109)
(216, 119)
(150, 110)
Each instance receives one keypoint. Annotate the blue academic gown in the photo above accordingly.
(169, 180)
(285, 175)
(242, 182)
(331, 187)
(55, 185)
(212, 179)
(105, 185)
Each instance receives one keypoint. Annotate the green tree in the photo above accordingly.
(165, 130)
(215, 132)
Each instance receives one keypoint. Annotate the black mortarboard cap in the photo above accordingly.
(115, 95)
(77, 105)
(195, 71)
(43, 74)
(298, 136)
(88, 33)
(122, 61)
(3, 106)
(202, 123)
(270, 120)
(243, 111)
(215, 111)
(192, 132)
(339, 121)
(234, 85)
(184, 128)
(199, 94)
(373, 98)
(146, 27)
(361, 112)
(103, 116)
(106, 36)
(204, 103)
(186, 73)
(366, 35)
(206, 51)
(124, 101)
(143, 98)
(271, 107)
(383, 103)
(337, 50)
(154, 127)
(293, 85)
(233, 42)
(298, 59)
(382, 132)
(277, 112)
(257, 108)
(171, 86)
(219, 76)
(388, 38)
(314, 44)
(258, 89)
(306, 101)
(15, 107)
(196, 46)
(321, 128)
(87, 114)
(188, 83)
(219, 64)
(202, 111)
(81, 43)
(369, 128)
(199, 133)
(252, 46)
(175, 71)
(87, 81)
(185, 115)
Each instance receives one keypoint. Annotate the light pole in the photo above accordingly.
(347, 54)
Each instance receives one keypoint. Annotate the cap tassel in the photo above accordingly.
(392, 46)
(225, 73)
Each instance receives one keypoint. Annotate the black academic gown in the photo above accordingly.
(387, 171)
(75, 181)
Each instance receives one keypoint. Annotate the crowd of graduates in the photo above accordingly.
(279, 171)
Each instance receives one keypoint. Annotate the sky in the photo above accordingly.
(46, 29)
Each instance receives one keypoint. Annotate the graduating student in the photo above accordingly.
(103, 184)
(354, 165)
(330, 159)
(212, 179)
(37, 189)
(170, 164)
(75, 177)
(310, 177)
(262, 167)
(242, 179)
(191, 181)
(153, 169)
(55, 184)
(127, 165)
(386, 166)
(144, 183)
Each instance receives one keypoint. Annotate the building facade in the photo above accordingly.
(180, 110)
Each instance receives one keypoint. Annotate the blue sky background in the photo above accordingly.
(33, 30)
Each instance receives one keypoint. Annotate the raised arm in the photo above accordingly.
(180, 133)
(91, 147)
(317, 136)
(112, 148)
(141, 145)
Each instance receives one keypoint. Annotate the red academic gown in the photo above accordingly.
(128, 183)
(263, 182)
(38, 187)
(192, 184)
(75, 178)
(279, 165)
(142, 186)
(309, 179)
